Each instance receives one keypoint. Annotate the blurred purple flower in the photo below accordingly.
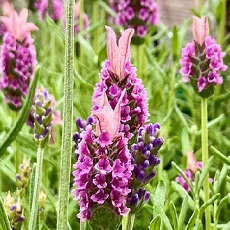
(139, 15)
(54, 8)
(18, 58)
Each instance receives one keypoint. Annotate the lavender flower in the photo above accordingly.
(139, 15)
(17, 58)
(117, 75)
(202, 60)
(144, 159)
(103, 169)
(43, 116)
(54, 8)
(14, 211)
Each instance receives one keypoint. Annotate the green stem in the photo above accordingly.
(81, 22)
(140, 56)
(66, 150)
(96, 20)
(204, 137)
(53, 51)
(82, 225)
(130, 221)
(37, 186)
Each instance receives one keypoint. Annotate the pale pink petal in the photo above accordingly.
(7, 8)
(5, 20)
(23, 15)
(108, 119)
(119, 54)
(16, 24)
(57, 118)
(200, 29)
(191, 162)
(76, 9)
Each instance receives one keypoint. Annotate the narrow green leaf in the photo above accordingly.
(159, 197)
(155, 224)
(205, 205)
(175, 45)
(226, 226)
(183, 212)
(220, 155)
(223, 201)
(191, 222)
(4, 221)
(204, 173)
(182, 193)
(174, 215)
(158, 200)
(11, 135)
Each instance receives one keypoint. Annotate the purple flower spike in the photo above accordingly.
(102, 175)
(202, 60)
(144, 159)
(17, 58)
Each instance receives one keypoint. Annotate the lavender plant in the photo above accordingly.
(108, 176)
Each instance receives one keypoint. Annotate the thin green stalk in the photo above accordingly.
(82, 225)
(140, 56)
(96, 20)
(130, 221)
(66, 150)
(53, 51)
(204, 139)
(37, 186)
(81, 13)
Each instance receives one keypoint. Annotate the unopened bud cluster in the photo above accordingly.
(43, 114)
(14, 211)
(23, 176)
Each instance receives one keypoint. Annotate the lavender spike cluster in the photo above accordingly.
(18, 60)
(201, 65)
(54, 8)
(14, 211)
(43, 115)
(134, 113)
(139, 15)
(102, 175)
(144, 159)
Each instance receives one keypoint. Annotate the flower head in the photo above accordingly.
(202, 60)
(16, 24)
